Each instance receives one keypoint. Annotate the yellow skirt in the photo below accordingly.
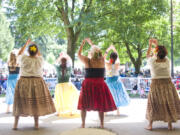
(66, 100)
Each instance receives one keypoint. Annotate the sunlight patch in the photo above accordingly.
(89, 131)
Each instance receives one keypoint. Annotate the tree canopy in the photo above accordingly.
(128, 24)
(6, 39)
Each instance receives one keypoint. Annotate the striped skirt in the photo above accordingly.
(32, 98)
(163, 101)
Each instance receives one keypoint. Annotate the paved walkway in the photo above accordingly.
(130, 122)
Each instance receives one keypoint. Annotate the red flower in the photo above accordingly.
(111, 61)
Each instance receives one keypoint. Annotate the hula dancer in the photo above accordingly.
(12, 79)
(66, 94)
(113, 80)
(163, 101)
(32, 97)
(95, 94)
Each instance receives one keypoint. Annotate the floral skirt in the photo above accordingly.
(95, 95)
(32, 98)
(163, 101)
(66, 99)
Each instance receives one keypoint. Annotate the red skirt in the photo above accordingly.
(95, 95)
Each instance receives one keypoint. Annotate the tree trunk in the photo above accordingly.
(136, 62)
(71, 48)
(137, 66)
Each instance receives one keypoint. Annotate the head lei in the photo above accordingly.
(95, 52)
(63, 55)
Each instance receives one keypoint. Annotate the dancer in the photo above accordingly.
(66, 94)
(12, 79)
(163, 101)
(113, 81)
(32, 97)
(95, 94)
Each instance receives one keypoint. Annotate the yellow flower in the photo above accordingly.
(156, 50)
(33, 48)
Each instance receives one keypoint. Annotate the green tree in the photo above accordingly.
(127, 24)
(177, 33)
(51, 17)
(51, 58)
(6, 39)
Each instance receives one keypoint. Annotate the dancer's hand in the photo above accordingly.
(112, 47)
(89, 41)
(155, 42)
(150, 41)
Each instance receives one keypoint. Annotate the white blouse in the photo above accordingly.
(159, 69)
(30, 66)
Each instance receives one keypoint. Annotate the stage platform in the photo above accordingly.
(130, 122)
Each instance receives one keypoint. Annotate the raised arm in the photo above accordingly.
(21, 51)
(107, 50)
(111, 47)
(151, 42)
(81, 57)
(148, 54)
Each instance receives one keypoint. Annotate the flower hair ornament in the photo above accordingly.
(111, 61)
(33, 48)
(156, 50)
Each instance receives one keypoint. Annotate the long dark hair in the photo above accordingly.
(113, 57)
(162, 51)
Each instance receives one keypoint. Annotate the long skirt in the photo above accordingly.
(66, 99)
(163, 101)
(32, 98)
(11, 84)
(95, 95)
(118, 91)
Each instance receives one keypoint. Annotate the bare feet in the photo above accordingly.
(8, 109)
(14, 128)
(118, 112)
(36, 127)
(149, 127)
(36, 122)
(101, 126)
(83, 126)
(16, 122)
(170, 126)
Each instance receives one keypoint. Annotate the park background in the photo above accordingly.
(60, 26)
